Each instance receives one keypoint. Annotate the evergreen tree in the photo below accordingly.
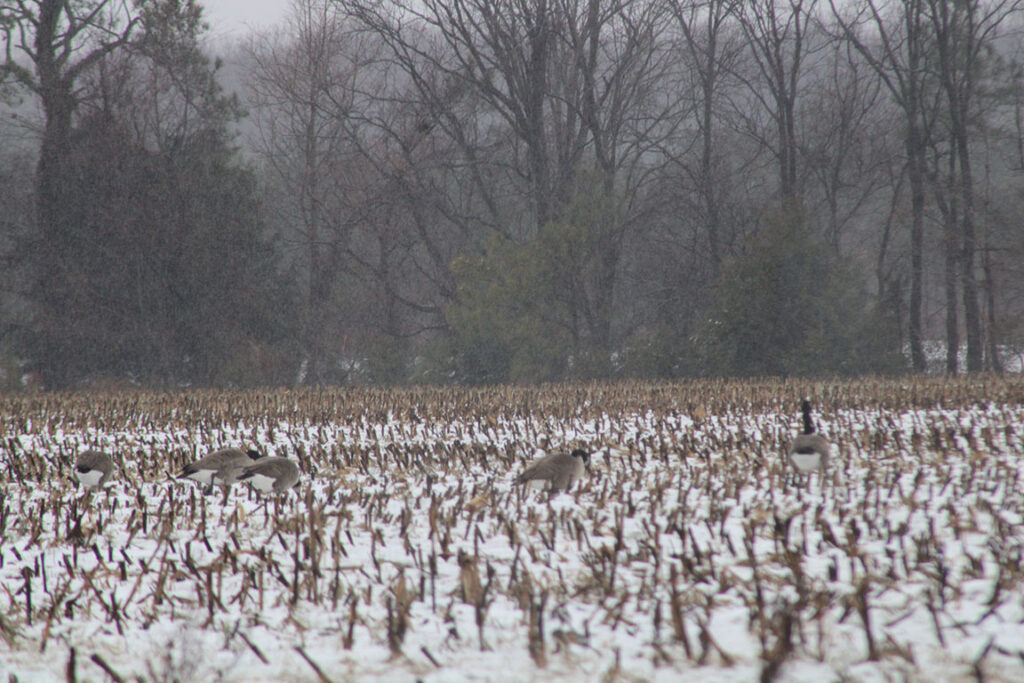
(791, 306)
(155, 265)
(528, 311)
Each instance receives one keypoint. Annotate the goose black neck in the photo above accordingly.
(579, 453)
(808, 423)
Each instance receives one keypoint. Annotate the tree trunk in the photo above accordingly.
(952, 304)
(994, 362)
(972, 314)
(58, 104)
(534, 112)
(951, 244)
(915, 155)
(608, 267)
(319, 286)
(706, 165)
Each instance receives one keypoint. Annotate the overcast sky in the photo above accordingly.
(235, 18)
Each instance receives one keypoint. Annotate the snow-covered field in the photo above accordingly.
(407, 552)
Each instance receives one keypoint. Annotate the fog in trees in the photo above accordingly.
(390, 191)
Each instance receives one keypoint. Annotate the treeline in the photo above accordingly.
(511, 190)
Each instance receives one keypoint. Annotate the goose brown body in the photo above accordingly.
(559, 470)
(271, 474)
(220, 467)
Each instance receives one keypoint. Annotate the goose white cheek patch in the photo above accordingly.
(806, 462)
(202, 476)
(262, 483)
(90, 478)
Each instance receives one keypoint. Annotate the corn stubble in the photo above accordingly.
(408, 535)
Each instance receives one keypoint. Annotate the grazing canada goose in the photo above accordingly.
(220, 467)
(93, 469)
(809, 451)
(271, 474)
(558, 471)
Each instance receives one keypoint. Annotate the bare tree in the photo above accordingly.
(712, 52)
(895, 49)
(963, 31)
(371, 198)
(780, 43)
(501, 52)
(629, 113)
(62, 41)
(557, 86)
(846, 141)
(300, 86)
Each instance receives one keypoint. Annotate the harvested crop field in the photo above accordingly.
(408, 552)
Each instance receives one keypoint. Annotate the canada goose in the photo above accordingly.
(271, 474)
(809, 451)
(93, 469)
(558, 471)
(220, 467)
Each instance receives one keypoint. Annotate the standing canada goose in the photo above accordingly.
(220, 467)
(93, 469)
(271, 474)
(558, 471)
(809, 451)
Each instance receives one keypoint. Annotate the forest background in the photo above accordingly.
(485, 191)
